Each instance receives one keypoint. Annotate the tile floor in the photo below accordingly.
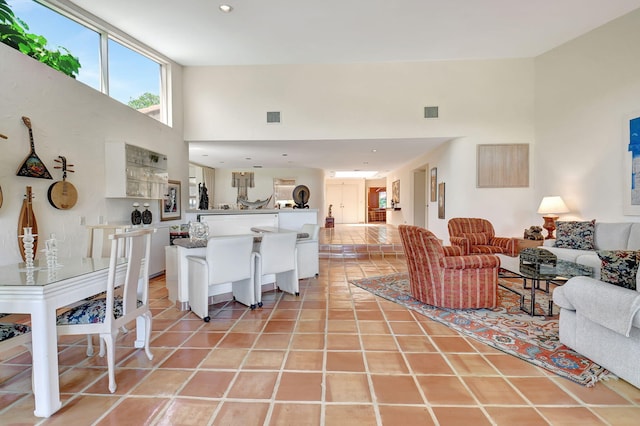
(334, 355)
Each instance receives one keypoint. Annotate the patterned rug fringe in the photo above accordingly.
(531, 338)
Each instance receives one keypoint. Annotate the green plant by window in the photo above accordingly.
(143, 101)
(14, 33)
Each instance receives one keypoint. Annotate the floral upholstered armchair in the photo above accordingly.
(450, 281)
(476, 236)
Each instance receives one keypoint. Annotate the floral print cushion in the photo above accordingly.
(619, 267)
(91, 312)
(9, 330)
(576, 235)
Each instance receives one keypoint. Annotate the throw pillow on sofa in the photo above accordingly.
(575, 235)
(619, 267)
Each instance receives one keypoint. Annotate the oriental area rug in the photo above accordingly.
(506, 328)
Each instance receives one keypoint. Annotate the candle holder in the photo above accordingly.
(28, 237)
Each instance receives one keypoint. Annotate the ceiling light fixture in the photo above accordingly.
(225, 8)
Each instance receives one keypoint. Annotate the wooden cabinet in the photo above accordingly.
(134, 172)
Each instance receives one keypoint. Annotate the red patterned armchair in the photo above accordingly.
(461, 282)
(476, 236)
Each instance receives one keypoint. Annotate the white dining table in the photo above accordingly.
(40, 292)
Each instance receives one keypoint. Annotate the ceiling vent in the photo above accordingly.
(431, 112)
(273, 116)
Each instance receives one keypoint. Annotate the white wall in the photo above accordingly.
(488, 101)
(73, 120)
(584, 91)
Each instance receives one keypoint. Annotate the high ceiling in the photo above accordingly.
(197, 33)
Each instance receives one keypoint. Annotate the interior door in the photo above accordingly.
(420, 198)
(344, 200)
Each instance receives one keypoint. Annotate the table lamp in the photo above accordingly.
(549, 208)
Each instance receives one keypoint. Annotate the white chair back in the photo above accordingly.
(137, 245)
(278, 252)
(229, 258)
(312, 230)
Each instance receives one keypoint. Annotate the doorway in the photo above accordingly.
(420, 197)
(377, 204)
(343, 198)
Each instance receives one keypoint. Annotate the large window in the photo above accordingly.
(129, 76)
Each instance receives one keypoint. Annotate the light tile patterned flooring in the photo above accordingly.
(334, 355)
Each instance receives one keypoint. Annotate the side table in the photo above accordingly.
(522, 243)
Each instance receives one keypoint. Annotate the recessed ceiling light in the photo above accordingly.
(374, 150)
(225, 8)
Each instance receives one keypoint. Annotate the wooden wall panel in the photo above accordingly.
(503, 166)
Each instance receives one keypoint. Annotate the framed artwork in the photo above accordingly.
(170, 206)
(631, 132)
(395, 192)
(434, 184)
(441, 200)
(503, 166)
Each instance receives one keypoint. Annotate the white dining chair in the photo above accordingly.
(308, 251)
(276, 262)
(123, 302)
(228, 259)
(99, 245)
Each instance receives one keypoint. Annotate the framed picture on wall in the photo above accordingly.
(441, 200)
(395, 193)
(434, 184)
(170, 205)
(631, 142)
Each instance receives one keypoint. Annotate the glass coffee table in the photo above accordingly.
(557, 274)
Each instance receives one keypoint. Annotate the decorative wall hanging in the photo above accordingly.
(170, 206)
(32, 165)
(503, 166)
(631, 132)
(395, 193)
(441, 200)
(62, 194)
(27, 219)
(242, 181)
(434, 184)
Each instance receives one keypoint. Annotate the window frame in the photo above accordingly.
(106, 32)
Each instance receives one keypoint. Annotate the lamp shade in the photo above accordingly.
(552, 205)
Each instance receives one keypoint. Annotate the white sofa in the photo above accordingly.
(598, 319)
(607, 236)
(601, 321)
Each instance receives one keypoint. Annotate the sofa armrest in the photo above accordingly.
(474, 261)
(508, 245)
(453, 250)
(461, 242)
(609, 305)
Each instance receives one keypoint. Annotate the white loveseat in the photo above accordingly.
(598, 319)
(607, 236)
